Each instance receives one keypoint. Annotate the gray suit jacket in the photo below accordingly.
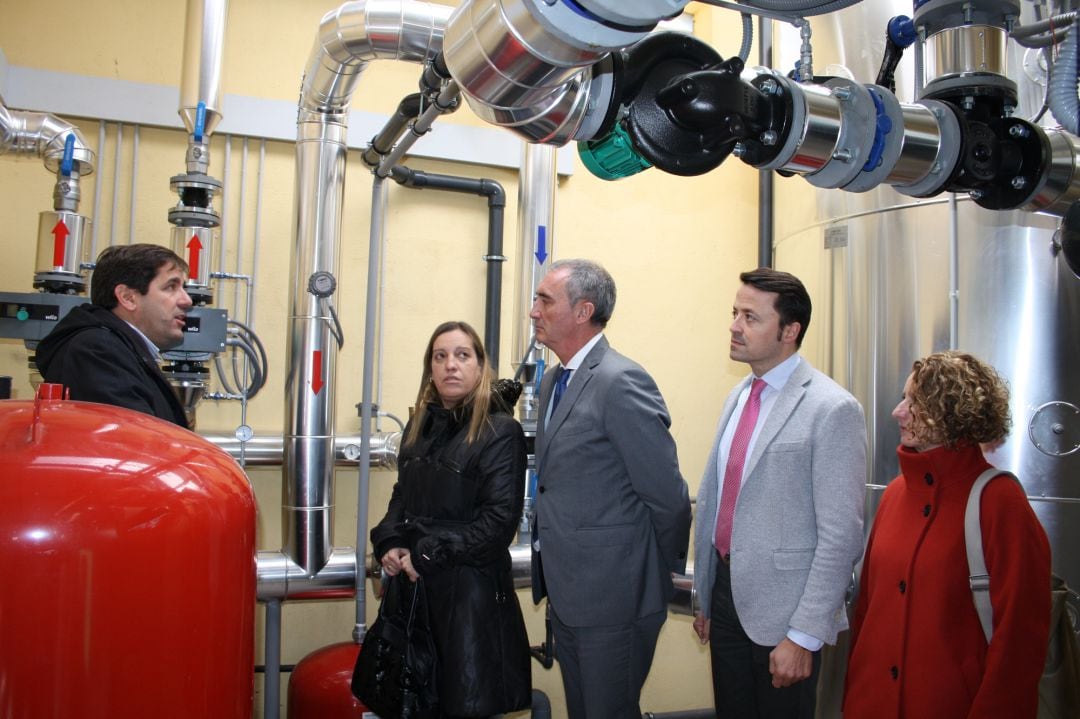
(797, 531)
(612, 509)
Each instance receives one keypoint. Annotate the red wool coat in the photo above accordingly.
(918, 650)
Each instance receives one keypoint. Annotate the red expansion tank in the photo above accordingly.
(127, 567)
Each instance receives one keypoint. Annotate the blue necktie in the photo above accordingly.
(560, 387)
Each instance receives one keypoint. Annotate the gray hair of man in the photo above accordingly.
(587, 280)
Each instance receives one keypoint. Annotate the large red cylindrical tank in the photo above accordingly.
(320, 685)
(127, 557)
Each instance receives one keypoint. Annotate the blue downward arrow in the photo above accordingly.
(541, 242)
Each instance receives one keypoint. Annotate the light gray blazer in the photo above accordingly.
(612, 509)
(797, 532)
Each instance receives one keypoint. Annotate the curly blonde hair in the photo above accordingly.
(958, 400)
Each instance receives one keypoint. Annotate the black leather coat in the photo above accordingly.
(456, 507)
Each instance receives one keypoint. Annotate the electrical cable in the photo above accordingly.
(257, 379)
(245, 340)
(335, 329)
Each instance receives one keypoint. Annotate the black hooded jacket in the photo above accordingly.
(100, 358)
(456, 507)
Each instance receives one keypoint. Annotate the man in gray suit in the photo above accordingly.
(612, 510)
(779, 512)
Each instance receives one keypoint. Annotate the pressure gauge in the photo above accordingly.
(322, 284)
(244, 433)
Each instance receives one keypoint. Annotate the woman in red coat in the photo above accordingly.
(918, 649)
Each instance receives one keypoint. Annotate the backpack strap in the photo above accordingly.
(978, 577)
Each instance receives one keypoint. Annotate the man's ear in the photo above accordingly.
(584, 312)
(791, 331)
(125, 297)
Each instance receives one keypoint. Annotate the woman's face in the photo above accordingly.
(910, 428)
(455, 369)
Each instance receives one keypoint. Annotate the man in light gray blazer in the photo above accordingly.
(778, 527)
(612, 510)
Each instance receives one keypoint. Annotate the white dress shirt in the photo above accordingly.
(774, 379)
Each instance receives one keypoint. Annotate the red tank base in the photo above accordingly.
(320, 685)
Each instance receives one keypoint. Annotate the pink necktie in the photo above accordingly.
(733, 470)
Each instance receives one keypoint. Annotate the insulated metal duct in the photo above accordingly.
(204, 47)
(41, 134)
(515, 73)
(348, 39)
(269, 450)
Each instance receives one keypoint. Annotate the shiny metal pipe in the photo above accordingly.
(818, 132)
(311, 354)
(204, 48)
(359, 32)
(536, 230)
(514, 72)
(965, 50)
(1059, 185)
(932, 142)
(269, 450)
(278, 577)
(922, 138)
(348, 39)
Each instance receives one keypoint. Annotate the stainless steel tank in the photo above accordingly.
(893, 279)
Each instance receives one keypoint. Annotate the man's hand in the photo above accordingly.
(789, 663)
(701, 627)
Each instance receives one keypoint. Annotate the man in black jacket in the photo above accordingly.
(107, 351)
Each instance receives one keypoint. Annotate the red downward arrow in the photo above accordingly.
(316, 371)
(60, 232)
(194, 248)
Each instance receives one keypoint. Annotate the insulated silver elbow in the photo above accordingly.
(37, 133)
(358, 32)
(516, 73)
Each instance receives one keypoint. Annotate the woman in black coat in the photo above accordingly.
(451, 518)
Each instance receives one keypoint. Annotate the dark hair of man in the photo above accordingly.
(131, 265)
(478, 402)
(589, 281)
(792, 299)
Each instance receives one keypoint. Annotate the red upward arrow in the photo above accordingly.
(60, 232)
(316, 371)
(194, 248)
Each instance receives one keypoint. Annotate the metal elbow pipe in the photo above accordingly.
(359, 32)
(515, 73)
(44, 135)
(348, 39)
(279, 577)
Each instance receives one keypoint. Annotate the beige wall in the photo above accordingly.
(674, 245)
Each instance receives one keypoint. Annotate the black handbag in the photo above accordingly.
(395, 673)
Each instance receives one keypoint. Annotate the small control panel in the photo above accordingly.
(33, 315)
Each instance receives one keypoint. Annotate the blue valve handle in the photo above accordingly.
(902, 31)
(200, 121)
(68, 161)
